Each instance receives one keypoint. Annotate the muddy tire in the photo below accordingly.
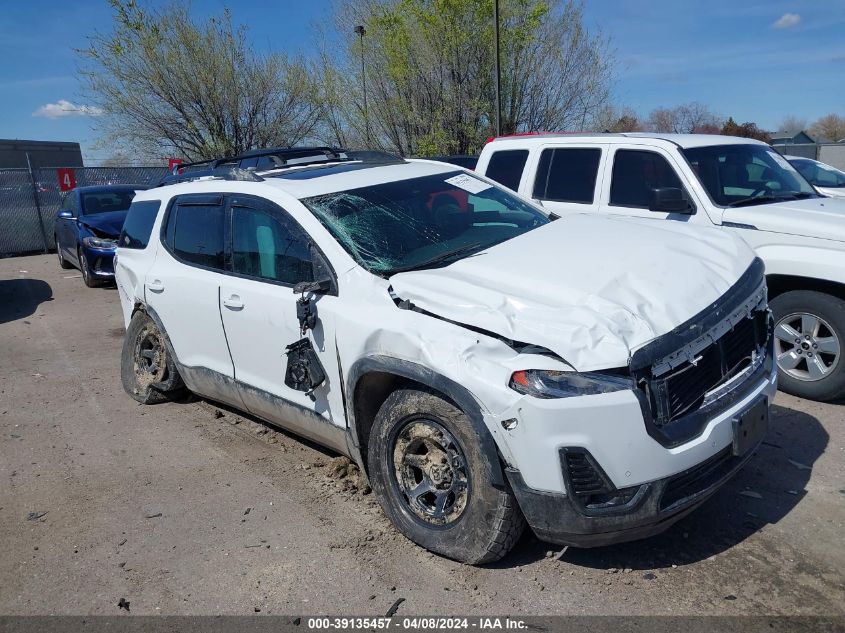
(147, 370)
(65, 265)
(431, 477)
(810, 344)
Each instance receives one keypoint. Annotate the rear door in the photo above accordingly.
(183, 287)
(567, 178)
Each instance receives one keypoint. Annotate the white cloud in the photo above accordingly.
(787, 20)
(63, 108)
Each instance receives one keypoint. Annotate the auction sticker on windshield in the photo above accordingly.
(468, 183)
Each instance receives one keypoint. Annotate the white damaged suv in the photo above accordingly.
(483, 364)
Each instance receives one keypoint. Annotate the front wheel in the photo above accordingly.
(432, 479)
(84, 267)
(809, 334)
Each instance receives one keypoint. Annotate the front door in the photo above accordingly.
(270, 254)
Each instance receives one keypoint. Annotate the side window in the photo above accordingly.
(195, 231)
(506, 167)
(635, 174)
(138, 225)
(269, 246)
(69, 204)
(567, 175)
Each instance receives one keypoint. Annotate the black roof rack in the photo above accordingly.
(228, 168)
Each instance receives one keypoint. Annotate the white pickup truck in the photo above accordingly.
(741, 185)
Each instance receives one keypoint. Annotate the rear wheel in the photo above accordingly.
(432, 479)
(809, 339)
(64, 264)
(147, 369)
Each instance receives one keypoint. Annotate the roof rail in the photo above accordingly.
(218, 173)
(227, 168)
(285, 156)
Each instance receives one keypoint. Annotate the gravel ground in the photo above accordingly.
(190, 508)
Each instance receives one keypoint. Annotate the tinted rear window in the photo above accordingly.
(506, 167)
(138, 225)
(107, 201)
(567, 175)
(198, 234)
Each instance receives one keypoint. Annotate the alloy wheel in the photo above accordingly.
(430, 472)
(806, 346)
(150, 362)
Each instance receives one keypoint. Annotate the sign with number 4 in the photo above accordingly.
(67, 178)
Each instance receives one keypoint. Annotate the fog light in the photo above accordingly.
(509, 425)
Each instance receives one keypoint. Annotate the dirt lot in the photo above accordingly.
(191, 509)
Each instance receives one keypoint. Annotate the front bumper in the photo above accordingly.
(647, 508)
(656, 506)
(100, 262)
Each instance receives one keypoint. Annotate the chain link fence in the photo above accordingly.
(30, 200)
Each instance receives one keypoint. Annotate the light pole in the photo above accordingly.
(361, 31)
(498, 70)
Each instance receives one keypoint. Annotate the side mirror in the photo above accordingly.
(68, 215)
(321, 286)
(670, 200)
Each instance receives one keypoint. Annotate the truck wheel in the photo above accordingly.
(431, 478)
(64, 264)
(809, 335)
(147, 370)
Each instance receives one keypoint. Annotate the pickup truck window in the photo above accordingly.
(506, 167)
(567, 175)
(741, 175)
(636, 174)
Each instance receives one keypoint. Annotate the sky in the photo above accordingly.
(754, 60)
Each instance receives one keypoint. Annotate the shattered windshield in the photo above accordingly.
(422, 222)
(744, 175)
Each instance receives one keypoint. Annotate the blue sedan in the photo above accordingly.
(87, 227)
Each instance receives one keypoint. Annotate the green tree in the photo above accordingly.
(745, 130)
(171, 86)
(430, 65)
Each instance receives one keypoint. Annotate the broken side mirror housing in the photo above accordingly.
(670, 200)
(320, 286)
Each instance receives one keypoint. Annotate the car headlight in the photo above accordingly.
(100, 242)
(566, 384)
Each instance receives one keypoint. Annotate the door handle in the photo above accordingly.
(233, 302)
(156, 286)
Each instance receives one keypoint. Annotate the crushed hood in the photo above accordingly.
(814, 217)
(109, 224)
(590, 289)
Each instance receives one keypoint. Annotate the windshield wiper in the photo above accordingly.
(437, 259)
(753, 200)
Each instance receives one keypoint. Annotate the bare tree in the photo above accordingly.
(168, 85)
(829, 128)
(613, 119)
(792, 123)
(687, 118)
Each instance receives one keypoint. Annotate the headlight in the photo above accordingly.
(566, 384)
(100, 242)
